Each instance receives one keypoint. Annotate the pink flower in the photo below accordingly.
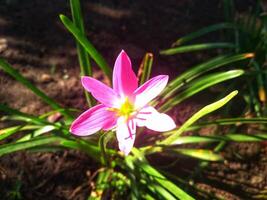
(124, 107)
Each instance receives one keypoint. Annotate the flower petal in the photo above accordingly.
(91, 120)
(110, 124)
(154, 120)
(149, 90)
(126, 134)
(100, 91)
(124, 78)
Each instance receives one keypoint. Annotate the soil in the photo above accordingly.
(35, 42)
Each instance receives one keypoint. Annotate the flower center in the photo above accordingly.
(126, 108)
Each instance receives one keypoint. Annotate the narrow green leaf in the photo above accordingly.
(23, 116)
(202, 154)
(200, 69)
(204, 111)
(15, 74)
(204, 31)
(164, 182)
(103, 140)
(86, 44)
(196, 47)
(38, 132)
(235, 121)
(102, 183)
(6, 132)
(12, 147)
(83, 56)
(145, 68)
(160, 191)
(199, 85)
(141, 163)
(195, 139)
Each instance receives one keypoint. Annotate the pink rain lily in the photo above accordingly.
(124, 107)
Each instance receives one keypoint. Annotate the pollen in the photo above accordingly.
(126, 108)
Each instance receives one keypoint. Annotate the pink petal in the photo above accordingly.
(100, 91)
(124, 79)
(149, 90)
(110, 124)
(91, 120)
(154, 120)
(126, 134)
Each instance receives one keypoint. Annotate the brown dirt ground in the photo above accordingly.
(34, 41)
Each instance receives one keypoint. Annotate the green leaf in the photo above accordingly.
(204, 111)
(198, 70)
(15, 74)
(195, 139)
(86, 44)
(103, 140)
(38, 132)
(145, 68)
(164, 182)
(6, 132)
(141, 163)
(204, 31)
(202, 154)
(218, 138)
(102, 183)
(199, 85)
(196, 47)
(85, 66)
(22, 116)
(12, 147)
(159, 190)
(235, 121)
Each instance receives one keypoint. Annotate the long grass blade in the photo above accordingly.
(218, 138)
(196, 47)
(23, 116)
(200, 69)
(199, 85)
(203, 31)
(204, 111)
(88, 46)
(15, 74)
(145, 68)
(85, 66)
(202, 154)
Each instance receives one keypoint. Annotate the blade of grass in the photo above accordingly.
(15, 74)
(38, 132)
(86, 44)
(201, 154)
(199, 85)
(12, 147)
(204, 31)
(6, 132)
(196, 47)
(85, 66)
(217, 138)
(145, 68)
(234, 121)
(24, 116)
(204, 111)
(142, 164)
(102, 184)
(164, 182)
(198, 70)
(160, 191)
